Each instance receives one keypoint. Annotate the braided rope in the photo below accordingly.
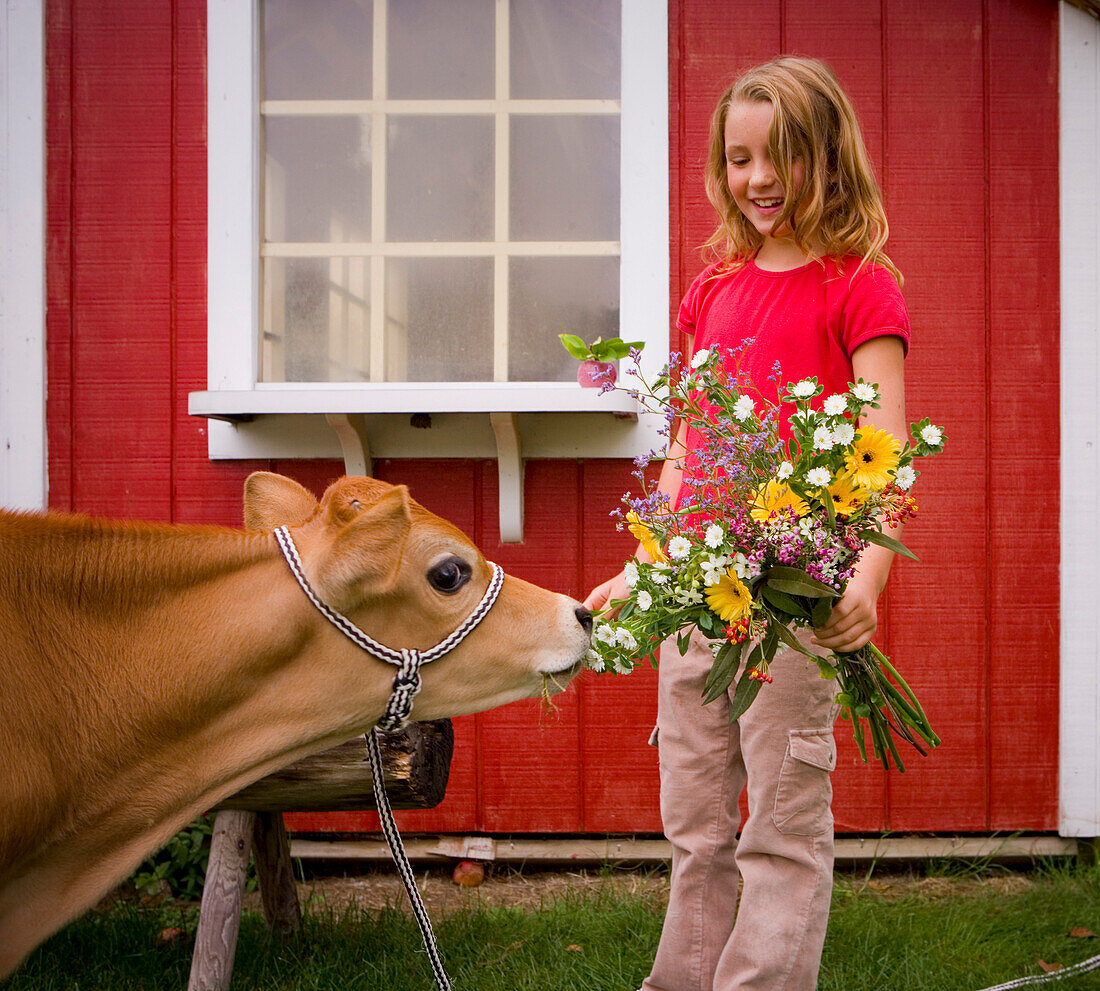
(1093, 963)
(401, 861)
(369, 644)
(406, 684)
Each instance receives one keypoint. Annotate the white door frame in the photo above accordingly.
(1079, 181)
(23, 465)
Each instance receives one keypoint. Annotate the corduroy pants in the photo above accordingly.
(783, 750)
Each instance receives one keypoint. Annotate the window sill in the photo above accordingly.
(509, 422)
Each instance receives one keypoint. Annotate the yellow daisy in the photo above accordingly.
(874, 458)
(730, 600)
(645, 536)
(846, 495)
(775, 497)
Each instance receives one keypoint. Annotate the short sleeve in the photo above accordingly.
(875, 307)
(688, 316)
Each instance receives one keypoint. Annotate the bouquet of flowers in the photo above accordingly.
(766, 537)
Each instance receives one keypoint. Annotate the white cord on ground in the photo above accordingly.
(1093, 963)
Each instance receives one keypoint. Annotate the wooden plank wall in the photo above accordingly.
(959, 104)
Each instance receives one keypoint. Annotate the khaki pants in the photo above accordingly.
(783, 749)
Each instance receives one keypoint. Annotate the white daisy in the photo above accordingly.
(624, 638)
(931, 435)
(905, 477)
(836, 404)
(742, 409)
(819, 477)
(844, 434)
(659, 576)
(714, 536)
(700, 358)
(785, 471)
(605, 634)
(865, 392)
(630, 574)
(593, 661)
(823, 438)
(644, 600)
(679, 548)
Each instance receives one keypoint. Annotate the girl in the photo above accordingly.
(800, 269)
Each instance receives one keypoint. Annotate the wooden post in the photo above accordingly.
(220, 913)
(275, 873)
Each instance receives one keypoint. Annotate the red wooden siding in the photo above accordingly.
(959, 105)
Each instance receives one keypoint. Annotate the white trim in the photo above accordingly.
(233, 200)
(23, 464)
(1079, 756)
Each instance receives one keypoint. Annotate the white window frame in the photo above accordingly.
(288, 420)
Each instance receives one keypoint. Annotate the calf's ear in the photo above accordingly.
(272, 500)
(362, 557)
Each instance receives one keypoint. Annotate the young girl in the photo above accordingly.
(801, 270)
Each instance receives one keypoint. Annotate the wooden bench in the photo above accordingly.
(416, 762)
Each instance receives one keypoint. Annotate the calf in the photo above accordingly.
(149, 671)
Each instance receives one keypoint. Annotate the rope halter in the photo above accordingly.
(406, 682)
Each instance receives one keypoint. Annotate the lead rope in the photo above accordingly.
(401, 862)
(1093, 963)
(406, 684)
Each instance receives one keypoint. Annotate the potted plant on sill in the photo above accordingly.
(597, 360)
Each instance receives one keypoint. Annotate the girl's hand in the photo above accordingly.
(613, 588)
(854, 618)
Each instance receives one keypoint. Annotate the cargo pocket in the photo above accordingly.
(805, 793)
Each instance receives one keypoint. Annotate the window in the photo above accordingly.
(410, 199)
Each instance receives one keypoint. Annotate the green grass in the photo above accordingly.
(939, 934)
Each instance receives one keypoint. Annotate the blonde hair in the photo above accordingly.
(837, 209)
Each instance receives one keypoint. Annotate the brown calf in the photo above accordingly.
(148, 671)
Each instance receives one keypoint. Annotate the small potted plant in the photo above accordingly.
(597, 360)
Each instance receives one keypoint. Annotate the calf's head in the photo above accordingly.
(408, 578)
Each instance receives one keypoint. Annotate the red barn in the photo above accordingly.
(244, 234)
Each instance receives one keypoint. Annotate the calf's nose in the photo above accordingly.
(584, 617)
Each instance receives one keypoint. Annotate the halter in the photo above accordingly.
(406, 683)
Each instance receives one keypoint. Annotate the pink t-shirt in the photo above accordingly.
(810, 319)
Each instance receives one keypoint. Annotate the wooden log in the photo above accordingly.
(416, 762)
(275, 874)
(220, 913)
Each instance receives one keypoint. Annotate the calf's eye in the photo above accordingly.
(449, 575)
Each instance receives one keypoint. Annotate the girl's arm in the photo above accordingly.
(669, 484)
(854, 618)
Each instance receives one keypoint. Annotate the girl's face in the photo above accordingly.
(750, 174)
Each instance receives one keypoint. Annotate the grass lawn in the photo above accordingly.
(947, 931)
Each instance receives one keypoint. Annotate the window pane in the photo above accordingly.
(440, 49)
(551, 296)
(316, 320)
(317, 49)
(439, 186)
(566, 49)
(439, 319)
(565, 178)
(317, 179)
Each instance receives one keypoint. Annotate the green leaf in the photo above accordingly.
(873, 536)
(743, 695)
(722, 671)
(682, 641)
(795, 581)
(575, 346)
(790, 639)
(819, 615)
(784, 602)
